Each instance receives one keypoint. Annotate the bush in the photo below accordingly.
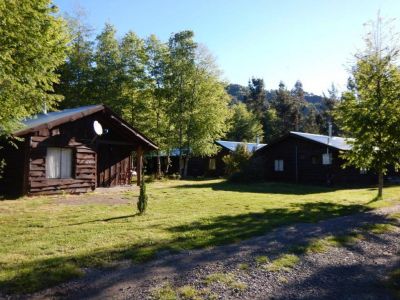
(253, 170)
(236, 161)
(142, 202)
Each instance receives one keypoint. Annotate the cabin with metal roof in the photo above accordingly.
(73, 151)
(311, 159)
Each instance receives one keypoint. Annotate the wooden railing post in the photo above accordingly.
(139, 164)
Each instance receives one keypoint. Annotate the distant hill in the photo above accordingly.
(238, 93)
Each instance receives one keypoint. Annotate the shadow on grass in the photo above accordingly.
(98, 220)
(260, 187)
(35, 275)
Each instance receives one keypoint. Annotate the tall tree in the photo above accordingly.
(245, 126)
(329, 103)
(76, 73)
(33, 44)
(370, 110)
(157, 120)
(108, 74)
(31, 49)
(256, 99)
(298, 105)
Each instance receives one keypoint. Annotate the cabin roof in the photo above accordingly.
(334, 142)
(52, 119)
(231, 145)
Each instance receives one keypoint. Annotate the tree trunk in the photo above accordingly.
(380, 184)
(167, 165)
(185, 171)
(158, 172)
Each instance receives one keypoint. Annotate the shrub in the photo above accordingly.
(236, 161)
(253, 170)
(142, 202)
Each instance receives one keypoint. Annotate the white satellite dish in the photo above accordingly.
(97, 128)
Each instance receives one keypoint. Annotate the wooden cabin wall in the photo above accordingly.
(307, 172)
(83, 161)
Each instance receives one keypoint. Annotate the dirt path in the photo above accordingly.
(351, 272)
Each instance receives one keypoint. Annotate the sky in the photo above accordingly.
(313, 41)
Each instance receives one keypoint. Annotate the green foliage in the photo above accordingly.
(245, 126)
(142, 200)
(255, 99)
(236, 161)
(33, 44)
(369, 111)
(76, 73)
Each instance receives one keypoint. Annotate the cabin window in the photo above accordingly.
(212, 164)
(59, 163)
(278, 165)
(327, 158)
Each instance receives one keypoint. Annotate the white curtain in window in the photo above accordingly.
(66, 163)
(53, 163)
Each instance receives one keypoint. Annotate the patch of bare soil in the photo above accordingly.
(107, 196)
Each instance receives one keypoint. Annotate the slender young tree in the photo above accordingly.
(108, 74)
(370, 110)
(77, 71)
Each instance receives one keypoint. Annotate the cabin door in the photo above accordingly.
(106, 171)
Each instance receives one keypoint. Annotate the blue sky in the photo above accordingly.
(310, 40)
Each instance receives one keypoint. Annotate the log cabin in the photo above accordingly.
(312, 159)
(199, 166)
(72, 151)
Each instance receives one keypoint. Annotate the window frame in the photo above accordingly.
(279, 165)
(330, 159)
(71, 162)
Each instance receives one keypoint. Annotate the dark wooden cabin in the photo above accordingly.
(209, 166)
(61, 152)
(311, 159)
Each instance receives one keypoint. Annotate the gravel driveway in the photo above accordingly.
(355, 271)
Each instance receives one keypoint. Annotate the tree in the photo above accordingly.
(298, 105)
(197, 98)
(370, 109)
(245, 126)
(108, 74)
(142, 200)
(77, 71)
(329, 103)
(33, 44)
(256, 98)
(31, 50)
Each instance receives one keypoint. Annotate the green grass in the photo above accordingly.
(393, 282)
(380, 228)
(262, 260)
(165, 292)
(43, 242)
(226, 279)
(283, 262)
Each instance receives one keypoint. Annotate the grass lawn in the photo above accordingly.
(44, 242)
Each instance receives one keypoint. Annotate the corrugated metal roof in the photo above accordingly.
(335, 141)
(231, 146)
(53, 116)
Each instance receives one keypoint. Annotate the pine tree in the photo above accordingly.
(142, 201)
(256, 98)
